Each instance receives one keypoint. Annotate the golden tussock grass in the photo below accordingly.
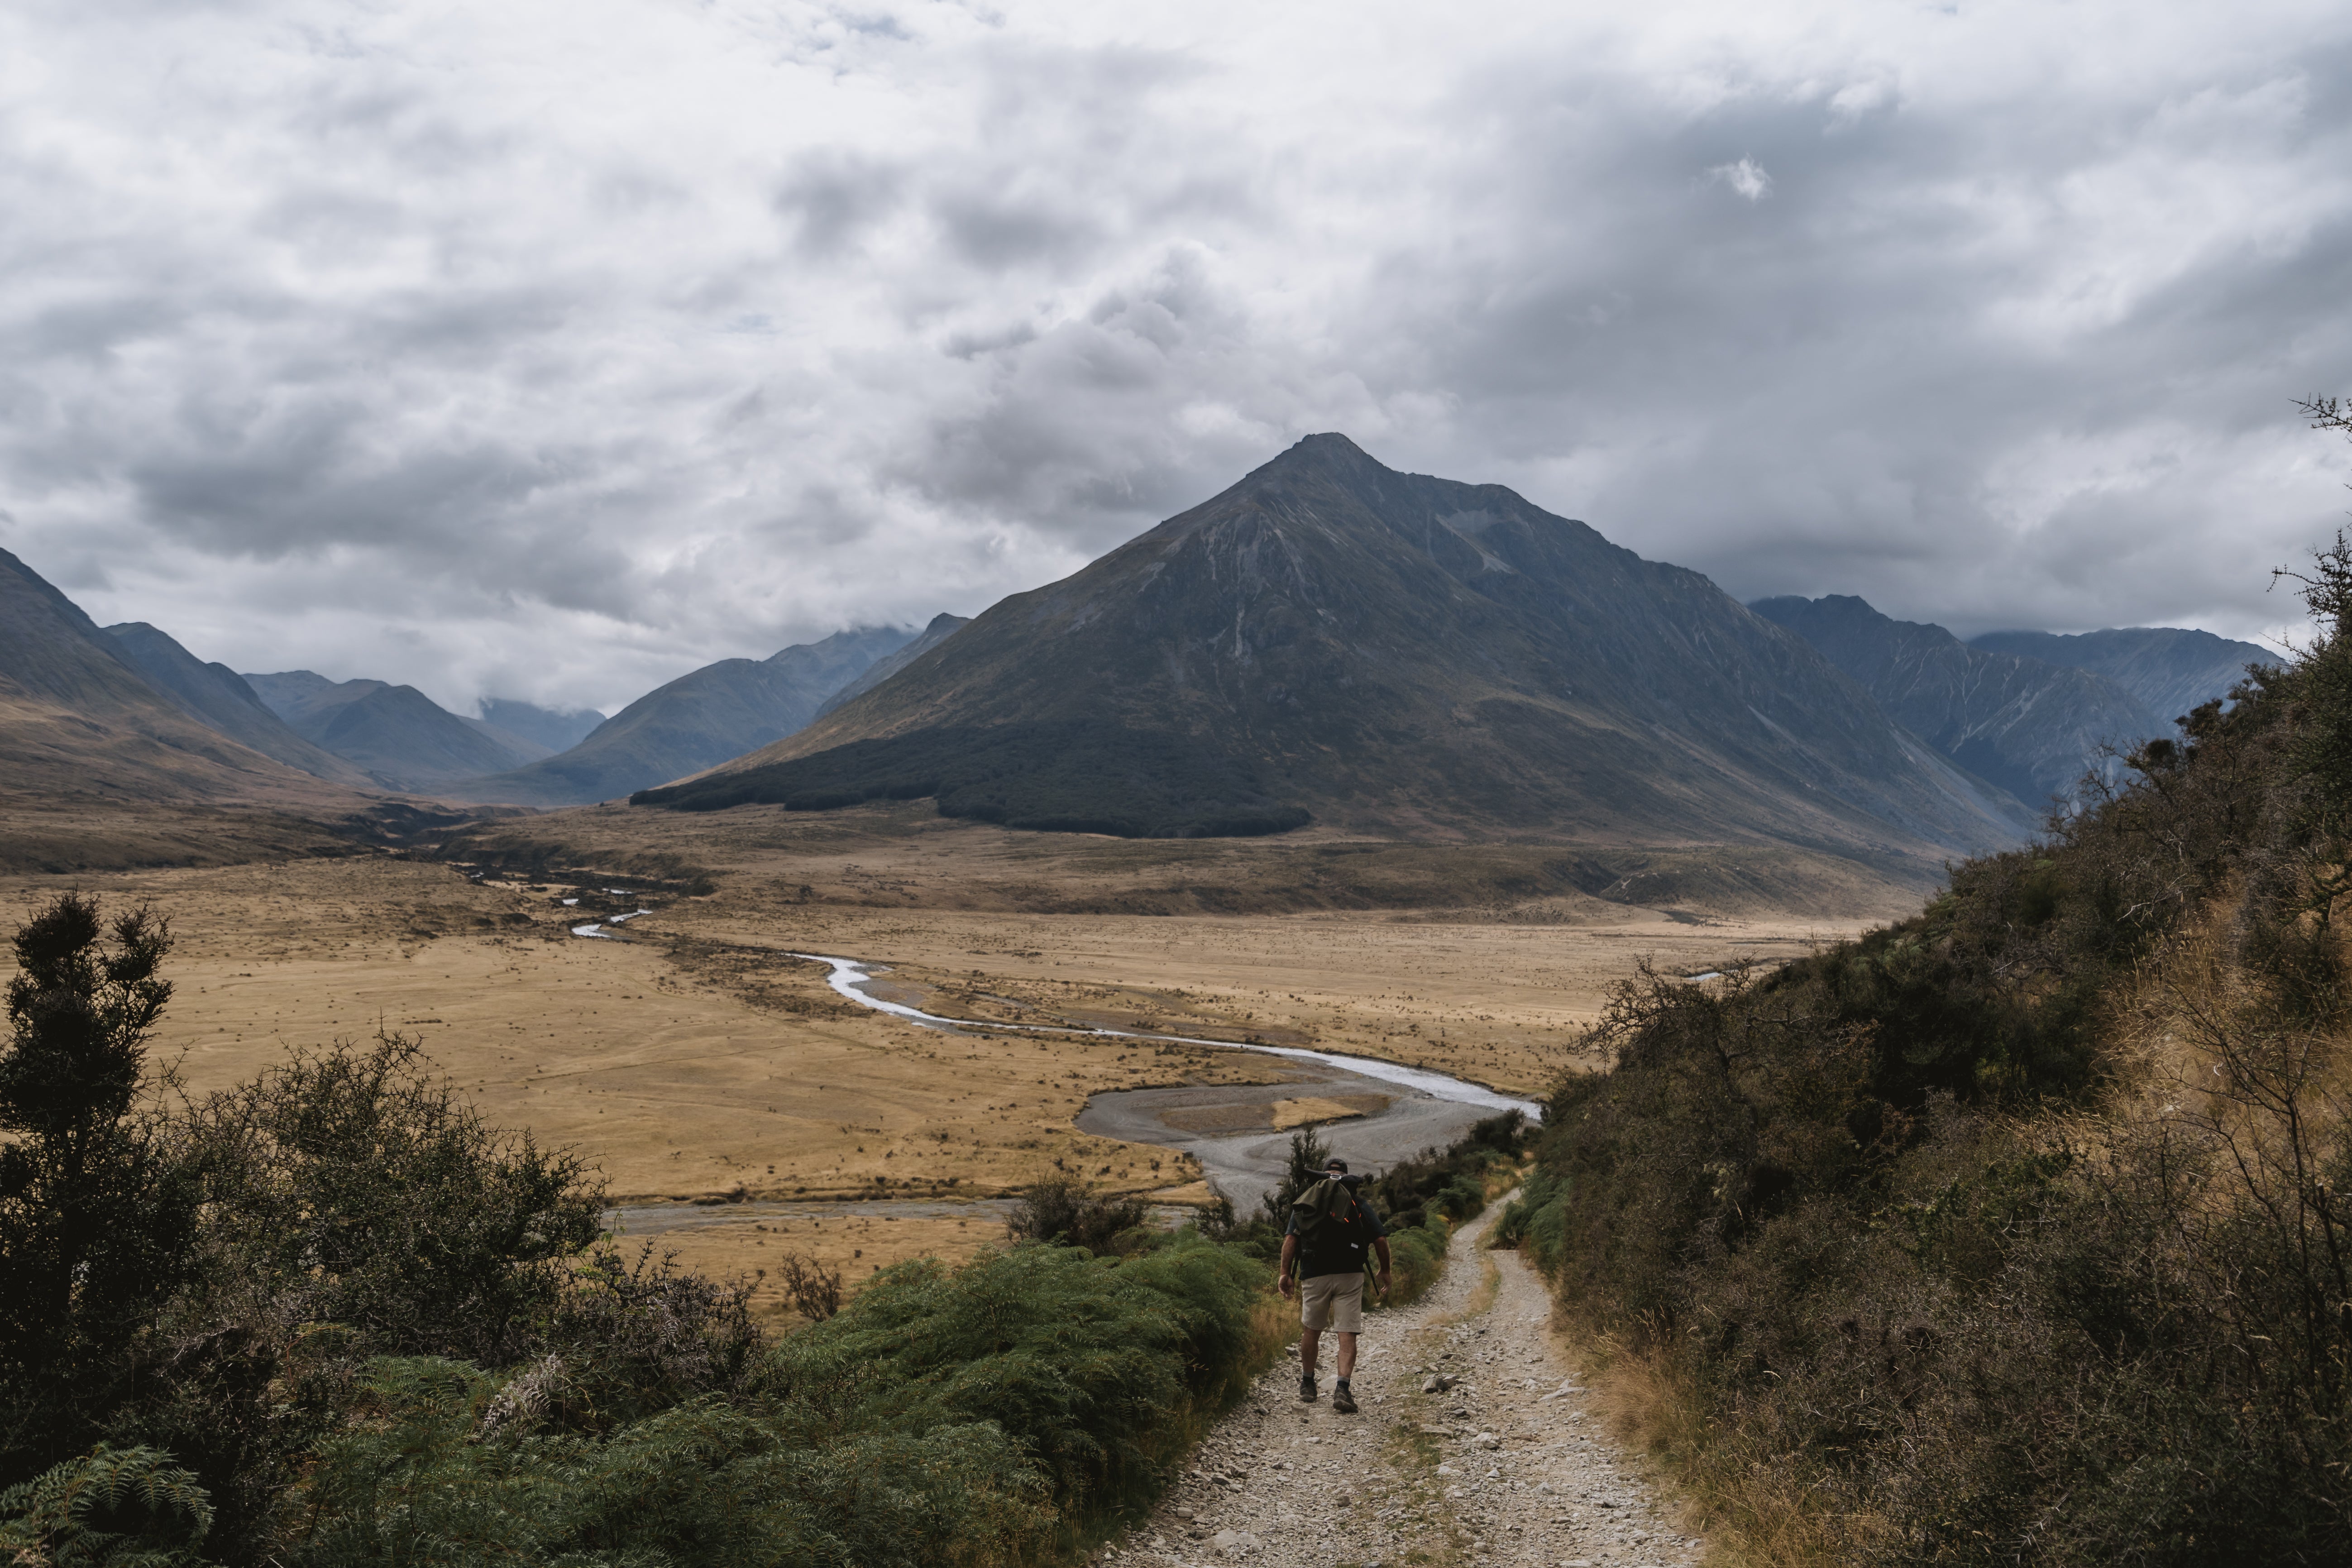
(1753, 1516)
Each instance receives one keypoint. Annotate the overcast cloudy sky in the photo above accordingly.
(549, 349)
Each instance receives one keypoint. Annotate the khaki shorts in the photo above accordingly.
(1334, 1301)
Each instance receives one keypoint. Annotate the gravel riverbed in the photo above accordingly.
(1474, 1445)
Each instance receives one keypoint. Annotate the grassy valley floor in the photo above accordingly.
(692, 1058)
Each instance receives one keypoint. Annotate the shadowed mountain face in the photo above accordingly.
(2169, 669)
(1387, 652)
(216, 696)
(558, 731)
(2033, 728)
(696, 721)
(400, 737)
(77, 718)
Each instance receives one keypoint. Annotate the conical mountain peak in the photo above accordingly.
(1330, 639)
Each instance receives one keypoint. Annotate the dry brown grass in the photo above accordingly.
(1753, 1518)
(697, 1057)
(1314, 1110)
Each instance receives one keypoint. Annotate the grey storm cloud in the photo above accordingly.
(548, 350)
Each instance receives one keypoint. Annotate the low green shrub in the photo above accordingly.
(1535, 1222)
(430, 1473)
(978, 1415)
(1418, 1255)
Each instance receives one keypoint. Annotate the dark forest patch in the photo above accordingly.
(1068, 777)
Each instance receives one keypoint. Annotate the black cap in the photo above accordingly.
(1335, 1163)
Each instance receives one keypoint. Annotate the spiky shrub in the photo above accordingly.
(1068, 1209)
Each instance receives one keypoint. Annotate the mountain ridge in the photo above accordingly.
(79, 719)
(2170, 669)
(698, 720)
(218, 697)
(398, 736)
(1392, 653)
(2032, 727)
(941, 628)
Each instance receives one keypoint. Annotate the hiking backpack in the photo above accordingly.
(1331, 1229)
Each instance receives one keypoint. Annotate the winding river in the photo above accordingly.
(1420, 1108)
(850, 974)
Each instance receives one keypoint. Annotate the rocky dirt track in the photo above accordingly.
(1503, 1465)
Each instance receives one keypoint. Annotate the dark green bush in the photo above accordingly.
(97, 1217)
(443, 1470)
(1085, 1361)
(128, 1508)
(1067, 1209)
(353, 1185)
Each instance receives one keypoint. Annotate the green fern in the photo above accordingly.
(112, 1508)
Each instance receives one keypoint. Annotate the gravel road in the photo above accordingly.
(1507, 1466)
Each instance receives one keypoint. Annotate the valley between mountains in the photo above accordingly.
(1406, 773)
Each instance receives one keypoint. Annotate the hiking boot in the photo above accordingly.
(1307, 1388)
(1343, 1401)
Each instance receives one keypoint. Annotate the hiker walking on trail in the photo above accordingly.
(1324, 1250)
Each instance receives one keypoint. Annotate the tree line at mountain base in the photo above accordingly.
(2017, 1232)
(1063, 777)
(330, 1316)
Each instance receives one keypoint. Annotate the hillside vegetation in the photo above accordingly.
(2017, 1231)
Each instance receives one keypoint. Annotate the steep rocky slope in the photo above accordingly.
(2170, 669)
(2031, 727)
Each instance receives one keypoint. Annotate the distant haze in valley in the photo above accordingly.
(550, 353)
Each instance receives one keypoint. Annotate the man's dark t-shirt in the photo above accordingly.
(1342, 1253)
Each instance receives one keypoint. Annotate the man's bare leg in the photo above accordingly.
(1309, 1339)
(1346, 1357)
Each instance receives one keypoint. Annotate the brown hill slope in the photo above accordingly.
(218, 698)
(1391, 654)
(400, 737)
(77, 719)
